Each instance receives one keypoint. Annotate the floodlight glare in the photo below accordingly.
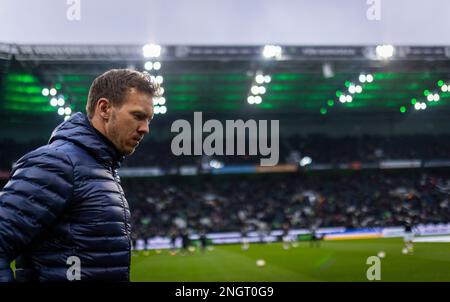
(272, 51)
(362, 78)
(151, 50)
(157, 66)
(148, 65)
(385, 51)
(259, 79)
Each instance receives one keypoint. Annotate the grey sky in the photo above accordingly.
(226, 22)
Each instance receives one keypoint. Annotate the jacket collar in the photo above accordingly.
(79, 130)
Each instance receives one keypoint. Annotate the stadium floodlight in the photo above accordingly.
(385, 51)
(436, 97)
(53, 92)
(267, 78)
(369, 78)
(163, 109)
(45, 92)
(258, 99)
(259, 79)
(262, 89)
(215, 164)
(358, 89)
(362, 78)
(272, 51)
(430, 97)
(420, 106)
(156, 109)
(348, 98)
(67, 111)
(151, 50)
(157, 65)
(61, 111)
(342, 98)
(444, 88)
(161, 91)
(305, 161)
(255, 89)
(251, 99)
(148, 65)
(54, 102)
(352, 88)
(67, 117)
(61, 101)
(162, 100)
(159, 79)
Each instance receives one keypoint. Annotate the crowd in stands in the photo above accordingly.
(361, 199)
(357, 199)
(322, 149)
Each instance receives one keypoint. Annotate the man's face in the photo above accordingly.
(130, 122)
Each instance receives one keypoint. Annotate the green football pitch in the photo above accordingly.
(332, 261)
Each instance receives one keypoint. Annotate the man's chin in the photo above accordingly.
(128, 151)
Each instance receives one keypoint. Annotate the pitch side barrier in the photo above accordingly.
(282, 168)
(188, 170)
(334, 233)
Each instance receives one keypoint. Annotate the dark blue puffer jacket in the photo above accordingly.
(65, 199)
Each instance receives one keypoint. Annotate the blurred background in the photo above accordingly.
(362, 94)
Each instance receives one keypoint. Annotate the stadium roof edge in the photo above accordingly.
(189, 52)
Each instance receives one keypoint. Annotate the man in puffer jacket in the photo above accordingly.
(63, 213)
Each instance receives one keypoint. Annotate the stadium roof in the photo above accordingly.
(219, 80)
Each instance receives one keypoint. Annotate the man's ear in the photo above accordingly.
(104, 108)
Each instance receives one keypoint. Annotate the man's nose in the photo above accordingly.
(144, 128)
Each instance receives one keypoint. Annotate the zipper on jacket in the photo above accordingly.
(122, 194)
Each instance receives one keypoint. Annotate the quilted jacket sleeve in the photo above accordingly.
(40, 186)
